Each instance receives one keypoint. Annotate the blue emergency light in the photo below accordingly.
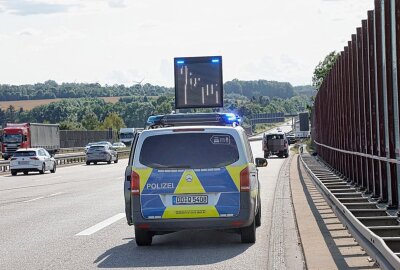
(193, 119)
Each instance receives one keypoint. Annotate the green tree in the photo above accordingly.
(90, 121)
(114, 121)
(323, 68)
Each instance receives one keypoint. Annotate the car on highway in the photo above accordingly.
(119, 145)
(291, 138)
(189, 176)
(101, 153)
(27, 160)
(88, 146)
(275, 143)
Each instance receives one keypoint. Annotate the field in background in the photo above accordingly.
(30, 104)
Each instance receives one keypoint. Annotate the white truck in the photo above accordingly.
(126, 135)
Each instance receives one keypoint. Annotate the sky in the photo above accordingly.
(130, 41)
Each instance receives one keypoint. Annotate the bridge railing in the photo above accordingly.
(356, 111)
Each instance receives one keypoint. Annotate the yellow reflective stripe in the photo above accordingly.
(144, 174)
(189, 183)
(234, 172)
(193, 211)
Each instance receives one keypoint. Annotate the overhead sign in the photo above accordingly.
(198, 82)
(262, 118)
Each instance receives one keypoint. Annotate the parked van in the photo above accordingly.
(192, 177)
(275, 143)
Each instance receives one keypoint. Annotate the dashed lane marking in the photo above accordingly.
(101, 225)
(43, 197)
(35, 199)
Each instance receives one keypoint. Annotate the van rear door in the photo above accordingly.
(189, 175)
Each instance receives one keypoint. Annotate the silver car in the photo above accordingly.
(101, 153)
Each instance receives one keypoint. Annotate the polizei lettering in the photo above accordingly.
(159, 185)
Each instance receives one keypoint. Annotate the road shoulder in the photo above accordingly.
(325, 241)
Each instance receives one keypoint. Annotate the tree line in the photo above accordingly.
(51, 90)
(97, 114)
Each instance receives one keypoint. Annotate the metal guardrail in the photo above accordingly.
(374, 245)
(62, 159)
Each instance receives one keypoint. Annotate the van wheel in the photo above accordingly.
(248, 234)
(109, 161)
(13, 173)
(116, 161)
(26, 172)
(266, 154)
(87, 163)
(43, 169)
(258, 216)
(143, 237)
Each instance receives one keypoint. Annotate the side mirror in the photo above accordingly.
(261, 162)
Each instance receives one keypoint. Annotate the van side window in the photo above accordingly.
(134, 142)
(248, 148)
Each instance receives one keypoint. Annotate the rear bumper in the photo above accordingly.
(98, 158)
(244, 219)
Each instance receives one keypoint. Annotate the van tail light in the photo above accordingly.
(245, 180)
(34, 158)
(135, 183)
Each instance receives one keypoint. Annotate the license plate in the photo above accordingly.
(189, 199)
(23, 162)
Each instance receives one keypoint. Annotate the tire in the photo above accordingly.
(87, 163)
(248, 234)
(143, 237)
(43, 170)
(26, 172)
(109, 161)
(13, 173)
(116, 161)
(258, 216)
(54, 168)
(95, 163)
(266, 154)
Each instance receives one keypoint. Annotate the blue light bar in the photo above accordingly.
(215, 60)
(180, 62)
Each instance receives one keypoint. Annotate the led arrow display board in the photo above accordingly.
(198, 82)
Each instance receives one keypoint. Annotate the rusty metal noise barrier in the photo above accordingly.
(356, 111)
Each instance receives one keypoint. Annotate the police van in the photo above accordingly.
(192, 171)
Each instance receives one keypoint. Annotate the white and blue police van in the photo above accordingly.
(191, 172)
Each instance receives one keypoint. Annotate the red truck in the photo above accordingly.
(30, 135)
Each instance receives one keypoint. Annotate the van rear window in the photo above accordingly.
(189, 150)
(274, 137)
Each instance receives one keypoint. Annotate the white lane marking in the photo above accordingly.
(55, 194)
(43, 197)
(102, 224)
(32, 200)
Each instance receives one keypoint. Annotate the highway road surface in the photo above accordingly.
(74, 219)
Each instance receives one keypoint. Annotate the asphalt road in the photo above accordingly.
(74, 219)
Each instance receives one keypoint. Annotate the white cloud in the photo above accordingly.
(34, 7)
(117, 3)
(28, 32)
